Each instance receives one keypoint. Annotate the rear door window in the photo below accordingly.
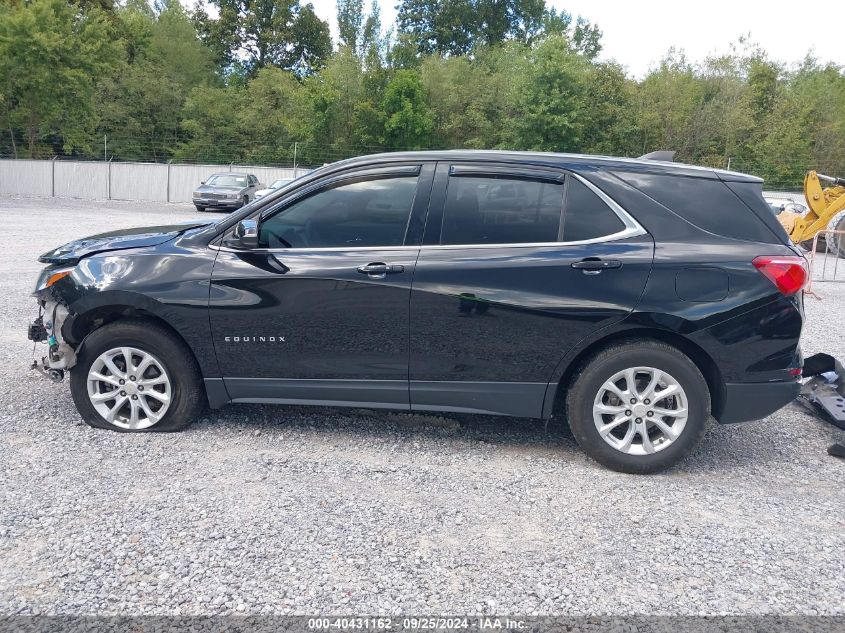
(495, 210)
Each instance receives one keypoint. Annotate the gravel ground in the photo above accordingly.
(299, 510)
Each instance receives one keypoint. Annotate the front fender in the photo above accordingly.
(170, 283)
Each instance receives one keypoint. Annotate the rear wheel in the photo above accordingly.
(135, 376)
(638, 407)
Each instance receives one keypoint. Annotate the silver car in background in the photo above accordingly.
(226, 191)
(276, 184)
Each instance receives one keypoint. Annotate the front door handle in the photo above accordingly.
(379, 270)
(594, 265)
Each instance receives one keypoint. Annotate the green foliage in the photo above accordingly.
(553, 98)
(249, 35)
(407, 120)
(141, 104)
(350, 21)
(459, 27)
(260, 81)
(50, 57)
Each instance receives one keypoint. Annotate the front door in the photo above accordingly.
(518, 265)
(320, 311)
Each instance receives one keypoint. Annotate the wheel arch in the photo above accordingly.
(555, 395)
(89, 314)
(95, 318)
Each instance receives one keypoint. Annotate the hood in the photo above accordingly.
(72, 252)
(220, 189)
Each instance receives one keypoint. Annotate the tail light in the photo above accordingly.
(788, 272)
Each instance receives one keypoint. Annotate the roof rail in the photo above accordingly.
(666, 155)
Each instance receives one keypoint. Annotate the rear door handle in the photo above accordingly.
(594, 265)
(378, 270)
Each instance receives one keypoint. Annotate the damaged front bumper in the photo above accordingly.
(47, 327)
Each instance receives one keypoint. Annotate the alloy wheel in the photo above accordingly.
(640, 410)
(129, 388)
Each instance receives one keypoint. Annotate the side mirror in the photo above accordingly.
(246, 234)
(202, 182)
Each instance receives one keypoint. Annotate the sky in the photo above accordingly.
(638, 33)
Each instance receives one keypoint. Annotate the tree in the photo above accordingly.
(141, 104)
(609, 124)
(51, 54)
(667, 100)
(272, 119)
(457, 27)
(819, 91)
(407, 120)
(350, 20)
(586, 38)
(553, 92)
(251, 34)
(333, 96)
(210, 124)
(312, 42)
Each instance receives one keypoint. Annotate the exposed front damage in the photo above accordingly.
(47, 327)
(66, 271)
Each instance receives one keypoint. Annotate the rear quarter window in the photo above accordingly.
(751, 193)
(707, 203)
(586, 216)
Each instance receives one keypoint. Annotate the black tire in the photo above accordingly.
(246, 201)
(836, 242)
(187, 398)
(595, 371)
(200, 208)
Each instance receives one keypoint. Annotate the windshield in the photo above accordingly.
(278, 184)
(226, 180)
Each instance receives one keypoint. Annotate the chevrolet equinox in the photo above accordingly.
(633, 297)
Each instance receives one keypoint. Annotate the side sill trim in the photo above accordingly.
(352, 404)
(391, 393)
(519, 399)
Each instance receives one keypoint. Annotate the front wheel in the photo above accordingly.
(638, 407)
(136, 375)
(200, 208)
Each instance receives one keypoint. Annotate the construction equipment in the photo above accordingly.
(826, 211)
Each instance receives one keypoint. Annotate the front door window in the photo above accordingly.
(365, 213)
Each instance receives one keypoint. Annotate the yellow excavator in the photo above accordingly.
(826, 212)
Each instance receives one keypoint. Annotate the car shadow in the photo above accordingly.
(502, 431)
(742, 448)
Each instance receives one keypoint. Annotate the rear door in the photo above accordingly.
(517, 265)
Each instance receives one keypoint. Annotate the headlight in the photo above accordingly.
(49, 276)
(233, 195)
(197, 194)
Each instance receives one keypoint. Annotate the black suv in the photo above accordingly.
(636, 298)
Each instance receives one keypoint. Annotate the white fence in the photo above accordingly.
(154, 182)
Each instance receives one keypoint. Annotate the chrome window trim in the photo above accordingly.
(632, 229)
(613, 237)
(622, 214)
